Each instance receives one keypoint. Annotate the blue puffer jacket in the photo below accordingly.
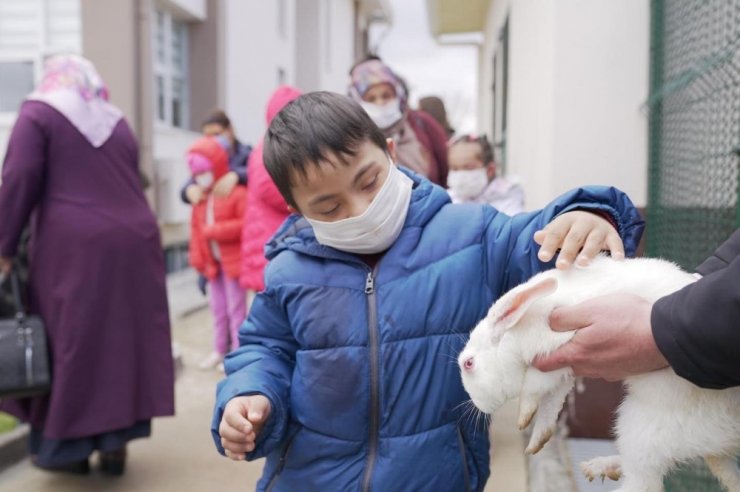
(359, 362)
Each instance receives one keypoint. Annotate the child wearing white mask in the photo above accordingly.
(215, 244)
(343, 379)
(473, 178)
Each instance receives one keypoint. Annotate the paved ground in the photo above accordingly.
(180, 456)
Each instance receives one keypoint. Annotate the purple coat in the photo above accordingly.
(96, 275)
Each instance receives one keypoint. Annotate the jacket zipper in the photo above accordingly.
(464, 455)
(374, 377)
(281, 463)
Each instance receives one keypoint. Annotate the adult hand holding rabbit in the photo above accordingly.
(614, 338)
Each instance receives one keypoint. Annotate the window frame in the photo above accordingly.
(167, 71)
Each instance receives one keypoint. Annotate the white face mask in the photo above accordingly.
(378, 227)
(468, 184)
(386, 115)
(204, 180)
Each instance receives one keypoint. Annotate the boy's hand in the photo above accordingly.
(577, 231)
(194, 194)
(243, 419)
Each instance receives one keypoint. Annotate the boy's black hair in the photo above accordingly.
(310, 129)
(485, 146)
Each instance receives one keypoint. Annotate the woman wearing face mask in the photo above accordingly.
(473, 177)
(421, 143)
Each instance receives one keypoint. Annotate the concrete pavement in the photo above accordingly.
(180, 456)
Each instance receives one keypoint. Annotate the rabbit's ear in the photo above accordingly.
(511, 307)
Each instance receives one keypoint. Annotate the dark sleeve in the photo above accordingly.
(697, 329)
(183, 195)
(239, 163)
(22, 180)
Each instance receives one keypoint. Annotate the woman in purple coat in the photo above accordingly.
(96, 271)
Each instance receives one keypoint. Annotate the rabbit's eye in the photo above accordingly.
(468, 364)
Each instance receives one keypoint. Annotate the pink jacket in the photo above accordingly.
(266, 209)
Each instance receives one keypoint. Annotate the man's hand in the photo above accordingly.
(225, 184)
(614, 338)
(194, 194)
(578, 231)
(243, 419)
(6, 264)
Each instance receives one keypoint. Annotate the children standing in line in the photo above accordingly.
(473, 178)
(345, 378)
(215, 244)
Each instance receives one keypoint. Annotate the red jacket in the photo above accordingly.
(266, 208)
(228, 215)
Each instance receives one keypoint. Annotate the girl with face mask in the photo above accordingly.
(215, 244)
(473, 179)
(420, 141)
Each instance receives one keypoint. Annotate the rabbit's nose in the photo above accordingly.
(468, 364)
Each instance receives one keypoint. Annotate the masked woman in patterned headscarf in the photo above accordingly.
(421, 143)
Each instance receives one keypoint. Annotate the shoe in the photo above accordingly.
(220, 368)
(113, 462)
(81, 467)
(211, 362)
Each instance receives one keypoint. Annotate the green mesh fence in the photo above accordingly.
(694, 109)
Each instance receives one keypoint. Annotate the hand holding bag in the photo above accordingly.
(24, 358)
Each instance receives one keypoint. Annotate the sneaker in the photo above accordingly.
(211, 362)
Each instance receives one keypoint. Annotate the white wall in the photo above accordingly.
(337, 44)
(578, 75)
(601, 82)
(254, 51)
(169, 146)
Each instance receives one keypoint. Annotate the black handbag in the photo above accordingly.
(24, 357)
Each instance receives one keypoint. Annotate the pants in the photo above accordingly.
(228, 305)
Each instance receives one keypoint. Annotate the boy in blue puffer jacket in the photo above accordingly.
(346, 376)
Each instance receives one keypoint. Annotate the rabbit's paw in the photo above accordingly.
(604, 467)
(527, 409)
(539, 439)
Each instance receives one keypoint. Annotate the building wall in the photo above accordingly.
(259, 55)
(578, 76)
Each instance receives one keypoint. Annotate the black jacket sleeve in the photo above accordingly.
(697, 329)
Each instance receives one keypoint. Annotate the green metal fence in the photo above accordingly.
(694, 110)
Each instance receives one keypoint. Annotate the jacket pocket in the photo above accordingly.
(283, 457)
(464, 457)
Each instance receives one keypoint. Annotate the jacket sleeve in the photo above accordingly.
(697, 329)
(511, 253)
(195, 253)
(239, 163)
(230, 230)
(23, 175)
(184, 189)
(263, 365)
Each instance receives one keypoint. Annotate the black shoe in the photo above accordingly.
(75, 468)
(113, 462)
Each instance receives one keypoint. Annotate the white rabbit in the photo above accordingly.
(663, 419)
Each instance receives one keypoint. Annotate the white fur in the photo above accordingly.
(663, 420)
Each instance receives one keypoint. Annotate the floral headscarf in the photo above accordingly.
(72, 86)
(373, 72)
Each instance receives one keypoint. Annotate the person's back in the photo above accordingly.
(349, 353)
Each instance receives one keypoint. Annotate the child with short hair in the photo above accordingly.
(473, 176)
(215, 244)
(346, 377)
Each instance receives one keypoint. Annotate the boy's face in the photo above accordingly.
(342, 186)
(465, 156)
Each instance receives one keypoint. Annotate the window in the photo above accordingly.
(171, 70)
(16, 82)
(31, 30)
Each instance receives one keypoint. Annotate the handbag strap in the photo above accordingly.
(15, 285)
